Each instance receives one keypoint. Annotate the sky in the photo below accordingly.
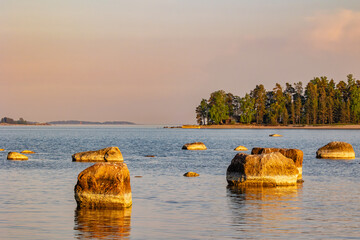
(151, 62)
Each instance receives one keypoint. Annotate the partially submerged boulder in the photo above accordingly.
(295, 154)
(16, 156)
(194, 146)
(110, 154)
(337, 150)
(272, 169)
(191, 174)
(1, 149)
(275, 135)
(27, 152)
(104, 185)
(240, 148)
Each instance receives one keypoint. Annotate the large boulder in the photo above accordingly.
(295, 154)
(1, 149)
(16, 156)
(272, 169)
(110, 154)
(194, 146)
(104, 185)
(340, 150)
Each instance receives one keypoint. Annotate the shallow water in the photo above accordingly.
(37, 196)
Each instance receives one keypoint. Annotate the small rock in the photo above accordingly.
(110, 154)
(275, 135)
(138, 176)
(151, 156)
(2, 149)
(337, 150)
(104, 185)
(27, 152)
(191, 174)
(16, 156)
(194, 146)
(240, 148)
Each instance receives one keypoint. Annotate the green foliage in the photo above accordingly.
(323, 102)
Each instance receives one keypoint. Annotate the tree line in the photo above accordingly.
(321, 101)
(12, 121)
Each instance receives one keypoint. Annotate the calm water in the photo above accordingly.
(37, 198)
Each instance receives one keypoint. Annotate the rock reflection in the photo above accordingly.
(102, 223)
(273, 211)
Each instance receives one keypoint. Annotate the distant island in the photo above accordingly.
(76, 122)
(21, 121)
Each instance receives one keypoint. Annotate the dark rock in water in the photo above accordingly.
(336, 150)
(194, 146)
(151, 156)
(110, 154)
(273, 169)
(104, 185)
(295, 154)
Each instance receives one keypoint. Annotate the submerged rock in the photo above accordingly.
(191, 174)
(27, 152)
(110, 154)
(16, 156)
(150, 156)
(194, 146)
(240, 148)
(272, 169)
(340, 150)
(275, 135)
(104, 185)
(295, 154)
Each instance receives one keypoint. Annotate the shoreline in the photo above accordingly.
(244, 126)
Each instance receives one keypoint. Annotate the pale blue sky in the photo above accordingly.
(153, 61)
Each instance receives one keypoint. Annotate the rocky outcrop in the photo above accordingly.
(16, 156)
(27, 152)
(240, 148)
(104, 185)
(295, 154)
(194, 146)
(337, 150)
(110, 154)
(272, 169)
(191, 174)
(1, 149)
(275, 135)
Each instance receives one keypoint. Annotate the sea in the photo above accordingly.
(37, 196)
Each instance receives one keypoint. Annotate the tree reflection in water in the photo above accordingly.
(102, 223)
(265, 211)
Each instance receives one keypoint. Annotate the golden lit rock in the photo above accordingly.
(240, 148)
(27, 152)
(194, 146)
(16, 156)
(110, 154)
(104, 185)
(295, 154)
(191, 174)
(337, 150)
(272, 169)
(275, 135)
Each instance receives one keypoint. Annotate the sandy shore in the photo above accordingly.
(251, 126)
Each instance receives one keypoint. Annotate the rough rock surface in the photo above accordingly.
(110, 154)
(1, 149)
(240, 148)
(272, 169)
(191, 174)
(27, 152)
(16, 156)
(104, 185)
(194, 146)
(339, 150)
(295, 154)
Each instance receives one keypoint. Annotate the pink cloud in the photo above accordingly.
(335, 31)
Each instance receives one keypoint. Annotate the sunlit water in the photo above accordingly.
(37, 196)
